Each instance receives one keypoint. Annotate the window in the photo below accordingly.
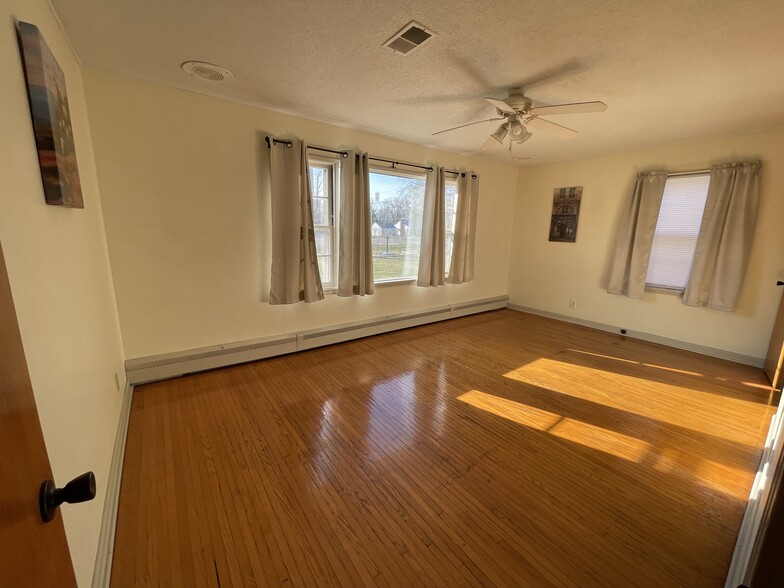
(322, 185)
(450, 209)
(396, 206)
(677, 230)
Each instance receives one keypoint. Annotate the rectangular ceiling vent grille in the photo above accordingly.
(410, 37)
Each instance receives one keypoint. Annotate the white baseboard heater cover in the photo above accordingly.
(158, 367)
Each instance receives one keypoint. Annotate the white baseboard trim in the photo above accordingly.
(169, 365)
(711, 351)
(755, 520)
(103, 557)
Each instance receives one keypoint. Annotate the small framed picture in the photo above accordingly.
(566, 210)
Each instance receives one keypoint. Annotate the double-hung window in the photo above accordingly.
(677, 229)
(450, 210)
(323, 185)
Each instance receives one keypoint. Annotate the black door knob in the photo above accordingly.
(79, 489)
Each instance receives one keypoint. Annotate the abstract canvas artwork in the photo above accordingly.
(566, 209)
(51, 120)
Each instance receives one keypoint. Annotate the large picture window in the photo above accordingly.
(396, 202)
(396, 207)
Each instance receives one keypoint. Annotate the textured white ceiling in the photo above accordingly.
(669, 70)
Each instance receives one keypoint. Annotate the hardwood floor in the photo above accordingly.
(501, 449)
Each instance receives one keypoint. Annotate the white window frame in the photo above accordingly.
(450, 183)
(332, 165)
(418, 175)
(673, 290)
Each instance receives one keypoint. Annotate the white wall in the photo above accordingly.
(59, 273)
(181, 181)
(546, 275)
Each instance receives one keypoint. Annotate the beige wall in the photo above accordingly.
(181, 181)
(546, 275)
(59, 272)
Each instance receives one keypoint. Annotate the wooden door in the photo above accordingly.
(32, 553)
(775, 357)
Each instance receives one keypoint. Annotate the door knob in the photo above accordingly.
(80, 489)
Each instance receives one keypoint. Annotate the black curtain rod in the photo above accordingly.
(397, 163)
(424, 167)
(394, 163)
(289, 144)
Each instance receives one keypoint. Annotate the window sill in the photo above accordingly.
(662, 290)
(383, 284)
(396, 282)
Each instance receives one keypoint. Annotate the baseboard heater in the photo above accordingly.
(159, 367)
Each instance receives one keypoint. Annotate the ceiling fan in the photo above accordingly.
(518, 113)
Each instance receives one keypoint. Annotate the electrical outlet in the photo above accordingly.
(572, 304)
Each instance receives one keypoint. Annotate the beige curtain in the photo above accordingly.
(431, 251)
(355, 251)
(461, 268)
(726, 232)
(635, 237)
(295, 273)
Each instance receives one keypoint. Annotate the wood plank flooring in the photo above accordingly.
(500, 449)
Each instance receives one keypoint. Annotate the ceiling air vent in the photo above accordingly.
(410, 37)
(207, 71)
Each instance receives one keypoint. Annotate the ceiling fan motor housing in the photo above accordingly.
(519, 102)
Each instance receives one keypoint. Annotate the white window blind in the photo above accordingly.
(677, 229)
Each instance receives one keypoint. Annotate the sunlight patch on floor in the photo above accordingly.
(646, 397)
(727, 479)
(579, 432)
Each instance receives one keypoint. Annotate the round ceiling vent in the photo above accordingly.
(207, 71)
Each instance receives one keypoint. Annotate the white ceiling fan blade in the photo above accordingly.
(573, 108)
(501, 105)
(556, 130)
(466, 125)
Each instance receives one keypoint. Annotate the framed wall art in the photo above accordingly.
(566, 210)
(51, 119)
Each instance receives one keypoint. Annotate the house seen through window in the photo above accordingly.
(677, 230)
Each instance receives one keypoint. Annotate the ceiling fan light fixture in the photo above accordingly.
(517, 130)
(500, 133)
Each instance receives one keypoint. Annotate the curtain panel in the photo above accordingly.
(633, 244)
(295, 274)
(431, 252)
(355, 250)
(724, 241)
(461, 268)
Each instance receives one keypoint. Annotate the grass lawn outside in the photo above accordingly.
(394, 266)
